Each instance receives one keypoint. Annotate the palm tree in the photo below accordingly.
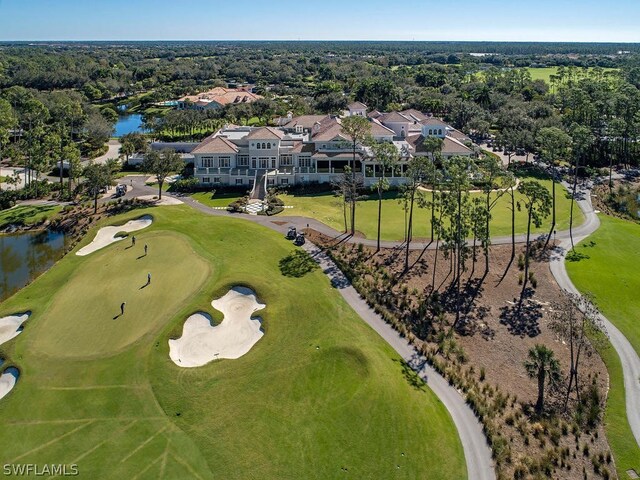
(541, 363)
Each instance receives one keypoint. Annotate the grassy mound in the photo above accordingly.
(320, 396)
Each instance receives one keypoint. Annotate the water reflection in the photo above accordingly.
(26, 255)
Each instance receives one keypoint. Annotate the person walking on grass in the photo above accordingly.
(122, 305)
(148, 278)
(145, 249)
(133, 241)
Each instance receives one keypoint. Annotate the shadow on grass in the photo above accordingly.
(410, 375)
(297, 264)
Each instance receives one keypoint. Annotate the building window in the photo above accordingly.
(284, 181)
(430, 132)
(298, 128)
(268, 145)
(243, 161)
(207, 162)
(216, 180)
(258, 146)
(224, 162)
(206, 180)
(286, 160)
(264, 146)
(439, 131)
(304, 161)
(238, 181)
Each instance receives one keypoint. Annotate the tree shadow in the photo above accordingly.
(297, 264)
(410, 375)
(522, 319)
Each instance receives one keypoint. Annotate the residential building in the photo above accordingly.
(313, 148)
(217, 97)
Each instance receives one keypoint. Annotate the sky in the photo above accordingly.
(466, 20)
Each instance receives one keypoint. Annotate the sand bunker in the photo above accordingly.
(106, 235)
(233, 337)
(166, 200)
(8, 380)
(11, 326)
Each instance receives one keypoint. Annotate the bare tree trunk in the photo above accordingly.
(409, 229)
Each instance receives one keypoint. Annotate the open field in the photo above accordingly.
(546, 73)
(326, 208)
(27, 214)
(320, 396)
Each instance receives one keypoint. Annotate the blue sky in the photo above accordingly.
(541, 20)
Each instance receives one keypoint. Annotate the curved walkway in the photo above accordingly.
(628, 356)
(476, 450)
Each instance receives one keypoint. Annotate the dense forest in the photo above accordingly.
(66, 96)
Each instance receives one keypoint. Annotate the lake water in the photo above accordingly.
(128, 124)
(26, 255)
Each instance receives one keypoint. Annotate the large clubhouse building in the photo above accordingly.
(313, 148)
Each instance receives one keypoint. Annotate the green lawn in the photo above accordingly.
(546, 72)
(326, 208)
(610, 273)
(217, 200)
(28, 214)
(318, 393)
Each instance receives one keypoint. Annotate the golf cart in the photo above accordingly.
(291, 234)
(299, 239)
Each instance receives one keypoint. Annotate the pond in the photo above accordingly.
(26, 255)
(128, 124)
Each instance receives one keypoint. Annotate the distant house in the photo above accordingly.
(216, 98)
(314, 148)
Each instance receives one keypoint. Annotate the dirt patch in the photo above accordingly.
(484, 356)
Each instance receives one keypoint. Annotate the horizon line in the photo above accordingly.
(322, 40)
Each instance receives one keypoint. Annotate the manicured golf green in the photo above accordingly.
(328, 209)
(28, 214)
(610, 273)
(319, 396)
(545, 73)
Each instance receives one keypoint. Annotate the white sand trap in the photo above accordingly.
(233, 337)
(8, 380)
(106, 235)
(11, 326)
(166, 200)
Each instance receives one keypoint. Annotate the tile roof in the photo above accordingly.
(414, 114)
(394, 117)
(222, 96)
(307, 121)
(357, 106)
(301, 147)
(379, 130)
(213, 144)
(266, 133)
(450, 146)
